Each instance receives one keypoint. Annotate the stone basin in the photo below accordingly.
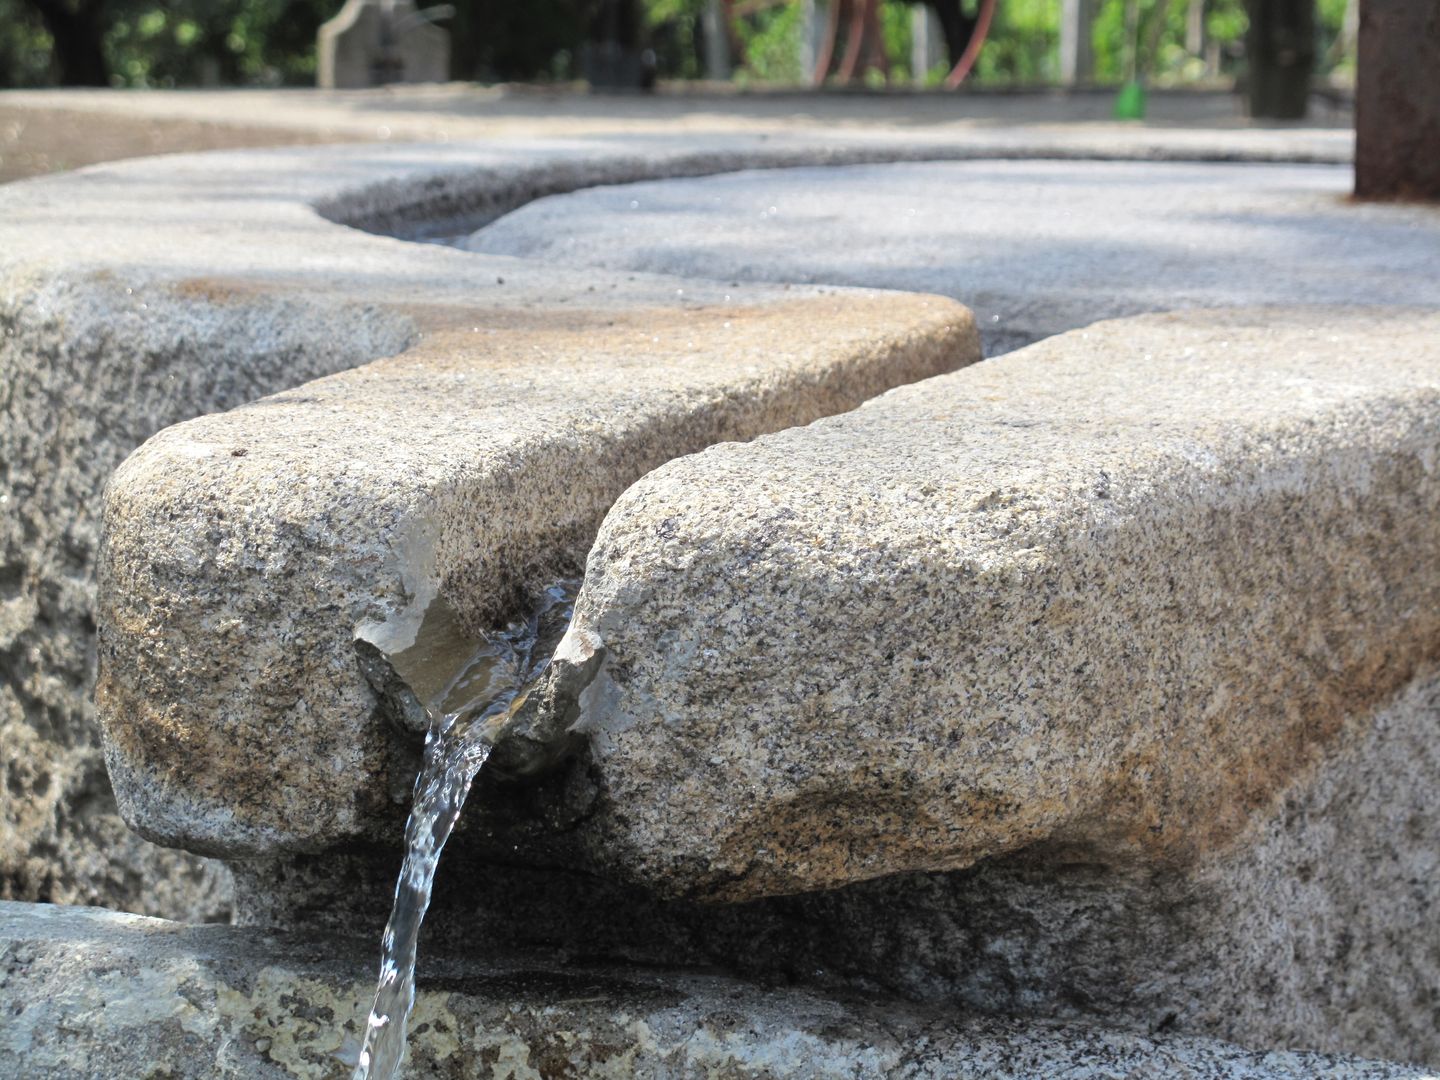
(475, 468)
(1031, 686)
(1116, 590)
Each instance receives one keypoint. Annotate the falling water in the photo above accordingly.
(463, 721)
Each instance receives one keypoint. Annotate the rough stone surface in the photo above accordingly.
(1034, 248)
(245, 552)
(89, 368)
(1114, 590)
(144, 293)
(1311, 931)
(137, 295)
(91, 993)
(1140, 731)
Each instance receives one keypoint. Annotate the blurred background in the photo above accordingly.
(745, 43)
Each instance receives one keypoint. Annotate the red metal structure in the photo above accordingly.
(972, 49)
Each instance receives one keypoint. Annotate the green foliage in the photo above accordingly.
(24, 46)
(675, 29)
(771, 43)
(269, 42)
(177, 42)
(219, 42)
(1021, 47)
(895, 27)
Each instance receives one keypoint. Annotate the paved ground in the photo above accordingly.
(39, 140)
(45, 131)
(1033, 247)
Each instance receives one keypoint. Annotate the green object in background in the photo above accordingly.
(1130, 102)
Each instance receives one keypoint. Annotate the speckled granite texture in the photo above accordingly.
(138, 295)
(104, 994)
(1116, 589)
(1112, 605)
(1094, 684)
(134, 296)
(245, 551)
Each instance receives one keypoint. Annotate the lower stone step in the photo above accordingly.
(90, 993)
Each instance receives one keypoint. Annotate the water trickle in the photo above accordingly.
(465, 716)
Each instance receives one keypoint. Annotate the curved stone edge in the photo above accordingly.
(90, 365)
(162, 270)
(113, 242)
(245, 552)
(90, 993)
(1116, 590)
(139, 294)
(459, 201)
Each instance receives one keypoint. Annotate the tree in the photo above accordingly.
(1397, 101)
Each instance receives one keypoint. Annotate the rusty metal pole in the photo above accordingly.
(1397, 100)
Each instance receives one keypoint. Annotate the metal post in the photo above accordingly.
(927, 42)
(717, 45)
(1077, 56)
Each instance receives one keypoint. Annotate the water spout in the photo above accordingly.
(476, 703)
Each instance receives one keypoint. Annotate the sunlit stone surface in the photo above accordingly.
(1118, 589)
(1033, 247)
(1094, 684)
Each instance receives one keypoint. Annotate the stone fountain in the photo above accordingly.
(920, 716)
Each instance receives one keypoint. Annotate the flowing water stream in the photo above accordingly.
(464, 719)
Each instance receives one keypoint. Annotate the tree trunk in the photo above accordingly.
(1397, 101)
(1280, 57)
(77, 31)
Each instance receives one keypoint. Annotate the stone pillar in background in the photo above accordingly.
(927, 42)
(1280, 57)
(1077, 55)
(717, 43)
(1397, 100)
(374, 42)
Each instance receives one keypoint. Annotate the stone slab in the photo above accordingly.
(90, 993)
(135, 296)
(1034, 248)
(1116, 590)
(1312, 929)
(139, 295)
(246, 552)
